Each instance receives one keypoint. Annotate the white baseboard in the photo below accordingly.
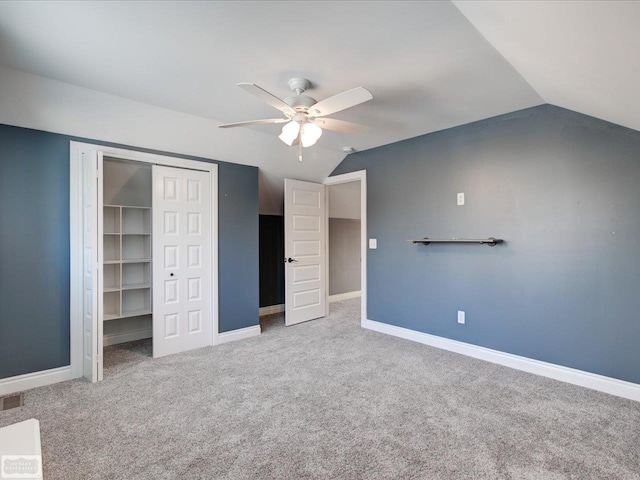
(115, 338)
(343, 296)
(271, 309)
(239, 334)
(594, 381)
(20, 383)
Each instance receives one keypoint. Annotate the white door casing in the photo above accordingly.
(181, 259)
(92, 307)
(361, 177)
(305, 252)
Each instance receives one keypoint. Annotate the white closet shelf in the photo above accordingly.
(135, 286)
(131, 286)
(129, 260)
(132, 313)
(127, 254)
(136, 313)
(127, 206)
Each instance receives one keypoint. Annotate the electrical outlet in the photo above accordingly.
(460, 197)
(461, 317)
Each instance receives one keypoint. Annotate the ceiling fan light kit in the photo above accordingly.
(290, 132)
(309, 134)
(303, 122)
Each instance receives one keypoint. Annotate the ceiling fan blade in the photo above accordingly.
(340, 102)
(254, 122)
(340, 125)
(265, 96)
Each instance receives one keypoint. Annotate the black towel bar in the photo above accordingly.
(492, 242)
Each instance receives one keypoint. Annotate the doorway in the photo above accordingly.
(344, 230)
(306, 223)
(347, 238)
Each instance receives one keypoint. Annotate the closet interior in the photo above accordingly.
(127, 251)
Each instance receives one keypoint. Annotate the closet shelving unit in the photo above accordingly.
(127, 261)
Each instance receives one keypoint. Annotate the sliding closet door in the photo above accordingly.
(181, 260)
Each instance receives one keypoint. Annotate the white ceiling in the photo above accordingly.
(162, 74)
(580, 55)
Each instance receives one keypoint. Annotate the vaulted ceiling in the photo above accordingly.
(162, 74)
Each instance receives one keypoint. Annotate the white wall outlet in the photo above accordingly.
(461, 317)
(460, 198)
(373, 243)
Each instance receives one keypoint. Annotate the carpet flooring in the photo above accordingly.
(327, 400)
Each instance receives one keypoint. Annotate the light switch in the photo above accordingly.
(373, 243)
(461, 198)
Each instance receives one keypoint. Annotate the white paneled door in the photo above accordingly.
(305, 251)
(181, 260)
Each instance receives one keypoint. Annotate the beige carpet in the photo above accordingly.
(327, 400)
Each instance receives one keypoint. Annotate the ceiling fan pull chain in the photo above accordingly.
(300, 149)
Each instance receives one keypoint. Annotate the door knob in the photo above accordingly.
(171, 274)
(291, 260)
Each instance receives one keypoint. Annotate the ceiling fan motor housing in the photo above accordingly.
(300, 103)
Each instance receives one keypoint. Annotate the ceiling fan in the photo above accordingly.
(304, 116)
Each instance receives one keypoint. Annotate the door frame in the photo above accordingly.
(76, 225)
(358, 176)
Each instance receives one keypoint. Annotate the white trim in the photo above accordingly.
(76, 231)
(338, 297)
(271, 309)
(359, 176)
(20, 383)
(239, 334)
(594, 381)
(116, 338)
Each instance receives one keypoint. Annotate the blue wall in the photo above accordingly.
(561, 188)
(34, 248)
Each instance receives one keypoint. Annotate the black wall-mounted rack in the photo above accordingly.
(492, 242)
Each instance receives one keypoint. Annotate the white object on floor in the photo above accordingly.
(20, 450)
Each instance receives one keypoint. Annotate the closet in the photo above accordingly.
(127, 251)
(143, 230)
(154, 223)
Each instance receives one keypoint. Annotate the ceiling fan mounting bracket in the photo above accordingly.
(299, 85)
